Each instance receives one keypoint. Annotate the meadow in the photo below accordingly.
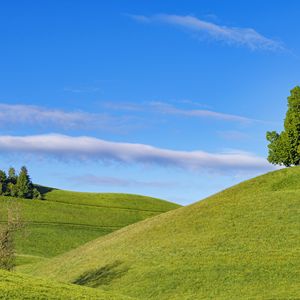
(19, 287)
(241, 243)
(65, 220)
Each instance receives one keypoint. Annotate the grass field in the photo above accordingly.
(21, 287)
(65, 220)
(242, 243)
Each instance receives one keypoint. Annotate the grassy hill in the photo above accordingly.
(65, 220)
(242, 243)
(19, 287)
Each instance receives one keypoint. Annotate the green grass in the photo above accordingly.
(242, 243)
(66, 220)
(21, 287)
(111, 200)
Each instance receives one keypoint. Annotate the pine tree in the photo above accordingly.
(15, 185)
(24, 185)
(12, 176)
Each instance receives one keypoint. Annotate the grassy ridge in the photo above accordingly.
(65, 220)
(242, 243)
(112, 200)
(21, 287)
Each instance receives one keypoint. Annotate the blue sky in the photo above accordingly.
(164, 98)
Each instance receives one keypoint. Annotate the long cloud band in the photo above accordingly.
(89, 148)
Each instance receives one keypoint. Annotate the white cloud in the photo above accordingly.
(32, 115)
(18, 114)
(247, 37)
(89, 148)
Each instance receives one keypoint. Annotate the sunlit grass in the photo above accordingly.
(66, 220)
(17, 287)
(242, 243)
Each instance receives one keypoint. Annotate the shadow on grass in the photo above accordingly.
(102, 276)
(43, 189)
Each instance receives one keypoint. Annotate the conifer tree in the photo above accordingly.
(18, 185)
(24, 185)
(12, 176)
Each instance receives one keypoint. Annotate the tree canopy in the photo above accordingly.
(18, 185)
(284, 148)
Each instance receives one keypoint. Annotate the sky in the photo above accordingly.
(170, 99)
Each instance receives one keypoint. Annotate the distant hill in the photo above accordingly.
(65, 220)
(242, 243)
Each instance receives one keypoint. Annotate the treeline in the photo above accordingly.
(18, 185)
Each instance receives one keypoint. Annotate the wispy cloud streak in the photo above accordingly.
(37, 115)
(169, 109)
(94, 180)
(201, 113)
(239, 36)
(32, 115)
(89, 148)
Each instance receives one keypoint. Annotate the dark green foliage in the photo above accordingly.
(2, 188)
(12, 176)
(18, 185)
(24, 184)
(11, 190)
(3, 182)
(36, 194)
(284, 148)
(3, 176)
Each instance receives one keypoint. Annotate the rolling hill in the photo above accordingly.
(242, 243)
(20, 287)
(65, 220)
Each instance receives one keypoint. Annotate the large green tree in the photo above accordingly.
(284, 148)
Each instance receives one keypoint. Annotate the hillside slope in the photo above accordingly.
(65, 220)
(21, 287)
(242, 243)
